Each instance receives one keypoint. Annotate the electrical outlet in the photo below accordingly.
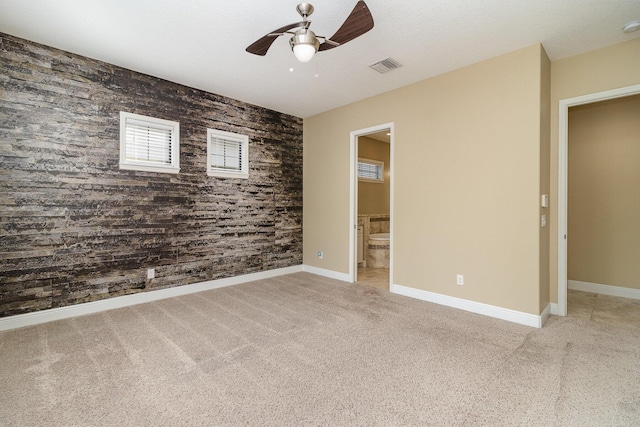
(320, 254)
(151, 273)
(460, 279)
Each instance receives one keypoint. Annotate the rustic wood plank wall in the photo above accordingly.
(76, 228)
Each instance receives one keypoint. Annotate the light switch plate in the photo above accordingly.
(544, 201)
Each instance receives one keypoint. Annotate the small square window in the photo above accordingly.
(149, 144)
(370, 170)
(227, 154)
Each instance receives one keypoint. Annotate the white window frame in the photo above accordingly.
(173, 151)
(243, 142)
(375, 163)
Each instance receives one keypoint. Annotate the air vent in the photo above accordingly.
(385, 65)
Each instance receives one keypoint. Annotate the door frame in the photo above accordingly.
(353, 198)
(563, 177)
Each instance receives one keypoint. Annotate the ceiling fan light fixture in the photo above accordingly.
(304, 45)
(304, 52)
(304, 42)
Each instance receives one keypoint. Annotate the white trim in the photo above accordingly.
(563, 167)
(616, 291)
(554, 308)
(353, 208)
(472, 306)
(392, 168)
(353, 197)
(243, 140)
(327, 273)
(150, 166)
(44, 316)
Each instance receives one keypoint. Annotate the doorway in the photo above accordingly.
(363, 223)
(563, 165)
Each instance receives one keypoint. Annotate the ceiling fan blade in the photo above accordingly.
(359, 22)
(262, 45)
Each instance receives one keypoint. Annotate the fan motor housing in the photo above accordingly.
(304, 36)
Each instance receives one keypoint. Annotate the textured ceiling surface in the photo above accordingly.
(201, 43)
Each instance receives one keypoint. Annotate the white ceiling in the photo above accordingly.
(201, 43)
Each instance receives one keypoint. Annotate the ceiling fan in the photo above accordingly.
(305, 43)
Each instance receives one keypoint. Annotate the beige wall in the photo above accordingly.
(604, 197)
(596, 71)
(373, 198)
(467, 164)
(545, 172)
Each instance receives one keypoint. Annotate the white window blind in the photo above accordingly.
(148, 144)
(227, 154)
(370, 170)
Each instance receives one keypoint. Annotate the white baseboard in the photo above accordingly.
(554, 308)
(37, 317)
(472, 306)
(326, 273)
(616, 291)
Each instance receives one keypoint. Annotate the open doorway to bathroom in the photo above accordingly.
(373, 208)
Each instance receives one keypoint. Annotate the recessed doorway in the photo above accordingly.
(563, 181)
(371, 239)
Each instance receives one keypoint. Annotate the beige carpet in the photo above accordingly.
(306, 350)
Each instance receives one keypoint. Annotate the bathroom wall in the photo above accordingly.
(604, 200)
(76, 228)
(373, 198)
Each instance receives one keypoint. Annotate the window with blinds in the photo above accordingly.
(149, 144)
(227, 154)
(370, 170)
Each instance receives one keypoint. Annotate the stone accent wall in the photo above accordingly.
(76, 228)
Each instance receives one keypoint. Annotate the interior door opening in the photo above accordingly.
(371, 259)
(603, 248)
(563, 165)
